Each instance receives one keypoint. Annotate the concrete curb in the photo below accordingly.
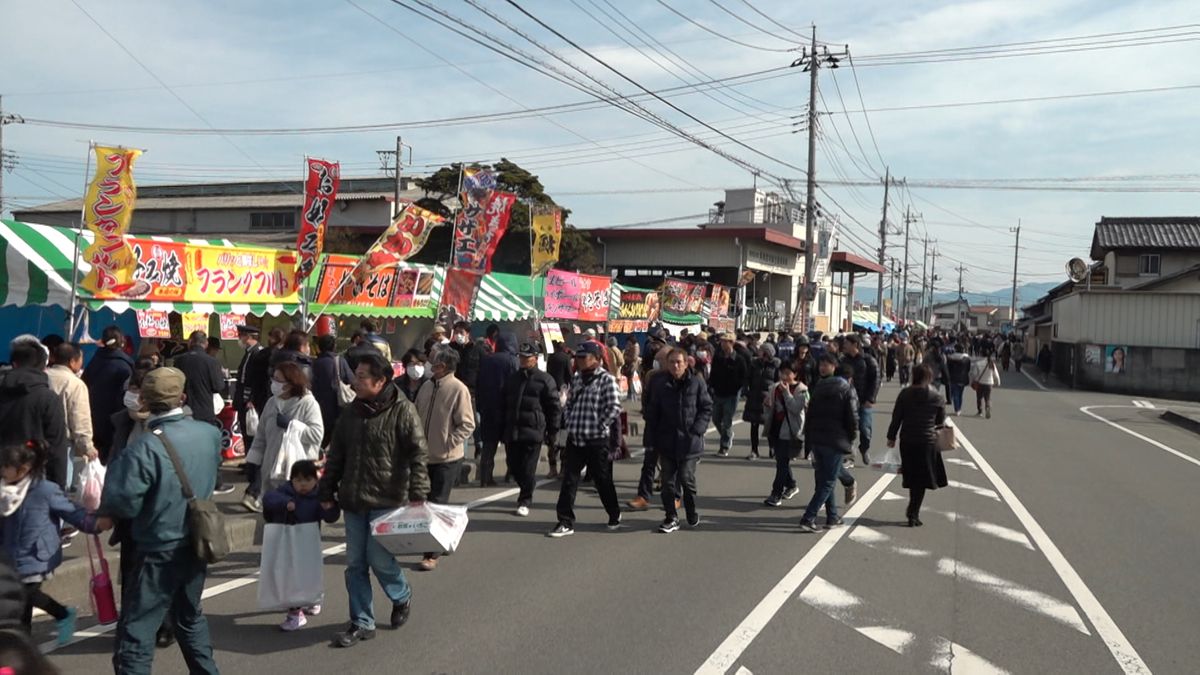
(1192, 424)
(72, 578)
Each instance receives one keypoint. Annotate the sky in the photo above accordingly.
(298, 64)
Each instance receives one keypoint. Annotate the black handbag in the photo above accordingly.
(206, 524)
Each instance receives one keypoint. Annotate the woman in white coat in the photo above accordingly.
(291, 404)
(986, 377)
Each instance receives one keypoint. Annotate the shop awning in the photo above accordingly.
(506, 297)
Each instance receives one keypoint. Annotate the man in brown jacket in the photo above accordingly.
(448, 418)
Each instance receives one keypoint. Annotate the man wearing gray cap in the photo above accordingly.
(142, 485)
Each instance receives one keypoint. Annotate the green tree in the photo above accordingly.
(577, 252)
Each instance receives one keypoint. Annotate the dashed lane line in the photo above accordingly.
(1033, 600)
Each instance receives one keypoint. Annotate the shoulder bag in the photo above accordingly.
(946, 438)
(206, 524)
(345, 392)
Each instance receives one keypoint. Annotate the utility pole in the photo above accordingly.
(904, 312)
(812, 61)
(924, 278)
(883, 231)
(396, 168)
(1016, 256)
(7, 160)
(958, 303)
(933, 278)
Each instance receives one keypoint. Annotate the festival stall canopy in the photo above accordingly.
(506, 297)
(178, 273)
(401, 290)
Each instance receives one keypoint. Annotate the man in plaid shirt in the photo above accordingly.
(592, 408)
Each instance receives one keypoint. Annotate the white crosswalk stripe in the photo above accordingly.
(975, 489)
(1010, 590)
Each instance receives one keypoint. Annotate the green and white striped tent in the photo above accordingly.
(37, 271)
(504, 297)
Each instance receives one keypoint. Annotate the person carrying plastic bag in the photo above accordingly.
(290, 574)
(293, 415)
(421, 527)
(919, 411)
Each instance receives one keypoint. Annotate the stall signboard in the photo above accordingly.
(551, 333)
(406, 288)
(458, 296)
(562, 295)
(224, 274)
(719, 302)
(153, 323)
(191, 322)
(229, 325)
(682, 297)
(338, 286)
(159, 274)
(637, 310)
(593, 298)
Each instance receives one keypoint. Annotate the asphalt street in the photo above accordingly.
(1063, 545)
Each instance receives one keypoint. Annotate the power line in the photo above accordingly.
(772, 20)
(745, 21)
(1094, 36)
(706, 29)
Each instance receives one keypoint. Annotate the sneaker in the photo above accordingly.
(989, 413)
(846, 463)
(809, 526)
(401, 611)
(428, 564)
(614, 523)
(773, 500)
(69, 532)
(669, 525)
(353, 635)
(563, 530)
(222, 488)
(791, 492)
(164, 637)
(523, 511)
(294, 621)
(753, 456)
(866, 457)
(638, 503)
(979, 413)
(64, 541)
(251, 503)
(66, 627)
(831, 523)
(851, 492)
(313, 610)
(723, 452)
(693, 520)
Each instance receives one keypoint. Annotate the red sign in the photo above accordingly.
(338, 276)
(403, 239)
(229, 324)
(562, 295)
(160, 273)
(458, 296)
(481, 224)
(320, 191)
(682, 297)
(594, 298)
(153, 323)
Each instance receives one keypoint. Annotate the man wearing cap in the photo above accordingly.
(142, 485)
(727, 376)
(248, 339)
(531, 416)
(592, 408)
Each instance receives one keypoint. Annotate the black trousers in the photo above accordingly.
(522, 461)
(915, 497)
(683, 471)
(36, 597)
(441, 481)
(487, 462)
(594, 455)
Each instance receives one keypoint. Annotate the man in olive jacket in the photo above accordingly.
(531, 415)
(377, 463)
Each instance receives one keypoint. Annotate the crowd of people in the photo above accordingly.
(355, 435)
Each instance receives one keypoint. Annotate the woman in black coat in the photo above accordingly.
(919, 411)
(764, 373)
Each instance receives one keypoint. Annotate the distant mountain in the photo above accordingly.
(1026, 294)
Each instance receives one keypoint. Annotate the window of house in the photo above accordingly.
(821, 300)
(273, 220)
(1149, 264)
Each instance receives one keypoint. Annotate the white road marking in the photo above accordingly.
(1137, 404)
(731, 649)
(960, 462)
(950, 656)
(1087, 410)
(743, 671)
(1122, 650)
(875, 539)
(981, 491)
(946, 655)
(1025, 597)
(985, 527)
(890, 496)
(1034, 380)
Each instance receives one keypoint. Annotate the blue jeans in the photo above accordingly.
(866, 420)
(956, 395)
(723, 407)
(827, 463)
(363, 553)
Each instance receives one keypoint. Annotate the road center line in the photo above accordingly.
(732, 648)
(1122, 650)
(1087, 410)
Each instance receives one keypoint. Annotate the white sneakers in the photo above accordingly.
(523, 511)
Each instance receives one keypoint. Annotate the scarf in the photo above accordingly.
(12, 496)
(372, 407)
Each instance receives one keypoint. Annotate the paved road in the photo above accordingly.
(1064, 545)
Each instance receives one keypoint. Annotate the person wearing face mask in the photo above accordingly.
(291, 403)
(415, 373)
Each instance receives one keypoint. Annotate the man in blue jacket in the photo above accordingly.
(106, 375)
(142, 485)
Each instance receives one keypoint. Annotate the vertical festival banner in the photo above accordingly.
(403, 239)
(482, 221)
(562, 295)
(458, 296)
(108, 208)
(547, 237)
(320, 192)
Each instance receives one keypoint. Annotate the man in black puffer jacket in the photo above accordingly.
(531, 415)
(829, 431)
(494, 370)
(677, 415)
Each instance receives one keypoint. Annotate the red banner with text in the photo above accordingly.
(320, 191)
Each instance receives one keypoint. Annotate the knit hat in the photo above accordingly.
(768, 348)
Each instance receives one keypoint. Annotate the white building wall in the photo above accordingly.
(1140, 318)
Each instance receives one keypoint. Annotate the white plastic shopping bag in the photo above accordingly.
(421, 529)
(251, 429)
(291, 450)
(888, 462)
(290, 574)
(91, 482)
